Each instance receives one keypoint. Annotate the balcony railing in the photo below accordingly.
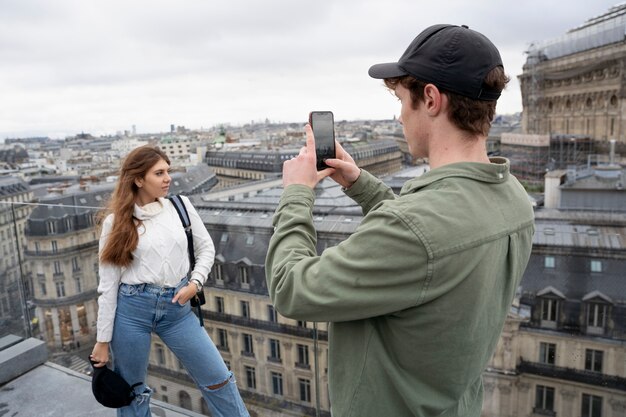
(571, 374)
(265, 325)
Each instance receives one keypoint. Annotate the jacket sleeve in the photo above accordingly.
(381, 268)
(107, 288)
(368, 191)
(204, 250)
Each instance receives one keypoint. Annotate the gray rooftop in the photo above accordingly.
(37, 388)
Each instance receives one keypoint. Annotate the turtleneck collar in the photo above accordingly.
(149, 210)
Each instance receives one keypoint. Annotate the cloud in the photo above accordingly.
(102, 66)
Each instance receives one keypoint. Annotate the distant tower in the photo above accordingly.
(134, 130)
(172, 128)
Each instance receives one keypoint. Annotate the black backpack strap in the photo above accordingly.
(181, 209)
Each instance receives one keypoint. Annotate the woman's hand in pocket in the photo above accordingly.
(185, 294)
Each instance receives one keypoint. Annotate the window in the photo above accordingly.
(591, 406)
(37, 247)
(248, 347)
(250, 377)
(547, 353)
(303, 356)
(219, 304)
(305, 389)
(277, 383)
(596, 315)
(274, 350)
(218, 273)
(185, 400)
(549, 262)
(60, 287)
(160, 354)
(78, 285)
(54, 246)
(51, 227)
(245, 309)
(243, 275)
(42, 287)
(301, 323)
(549, 309)
(271, 314)
(596, 266)
(57, 267)
(75, 265)
(544, 398)
(222, 339)
(593, 360)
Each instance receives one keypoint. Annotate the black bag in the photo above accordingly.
(110, 389)
(179, 205)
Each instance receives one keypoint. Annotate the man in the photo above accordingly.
(418, 294)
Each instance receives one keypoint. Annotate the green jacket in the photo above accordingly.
(417, 295)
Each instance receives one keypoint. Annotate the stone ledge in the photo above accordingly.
(21, 357)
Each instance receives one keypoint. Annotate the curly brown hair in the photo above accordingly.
(473, 116)
(123, 239)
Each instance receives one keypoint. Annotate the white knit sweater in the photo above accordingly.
(161, 256)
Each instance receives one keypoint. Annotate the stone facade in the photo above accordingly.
(14, 288)
(576, 85)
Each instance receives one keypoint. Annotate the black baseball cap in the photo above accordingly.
(454, 58)
(110, 389)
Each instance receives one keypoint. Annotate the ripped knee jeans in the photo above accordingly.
(145, 309)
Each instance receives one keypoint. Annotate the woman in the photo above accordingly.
(145, 286)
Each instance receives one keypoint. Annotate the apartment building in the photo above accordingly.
(14, 288)
(62, 254)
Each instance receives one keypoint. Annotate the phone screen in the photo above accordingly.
(323, 127)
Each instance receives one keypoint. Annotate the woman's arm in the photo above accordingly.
(109, 282)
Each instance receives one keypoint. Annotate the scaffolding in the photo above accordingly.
(602, 30)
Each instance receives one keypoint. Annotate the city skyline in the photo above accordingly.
(72, 67)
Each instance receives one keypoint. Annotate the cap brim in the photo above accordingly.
(388, 70)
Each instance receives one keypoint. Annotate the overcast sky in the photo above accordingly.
(68, 66)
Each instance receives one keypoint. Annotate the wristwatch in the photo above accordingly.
(198, 284)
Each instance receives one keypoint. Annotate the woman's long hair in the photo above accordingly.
(123, 238)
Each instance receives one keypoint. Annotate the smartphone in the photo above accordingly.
(323, 126)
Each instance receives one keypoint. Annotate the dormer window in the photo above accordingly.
(550, 304)
(596, 315)
(244, 267)
(597, 307)
(549, 309)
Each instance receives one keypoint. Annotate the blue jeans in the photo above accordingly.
(143, 309)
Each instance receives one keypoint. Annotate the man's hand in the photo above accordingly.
(302, 169)
(345, 171)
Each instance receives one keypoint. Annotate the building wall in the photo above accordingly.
(12, 219)
(577, 94)
(64, 275)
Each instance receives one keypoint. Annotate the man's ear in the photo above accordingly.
(433, 99)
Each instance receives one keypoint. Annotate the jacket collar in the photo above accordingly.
(495, 172)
